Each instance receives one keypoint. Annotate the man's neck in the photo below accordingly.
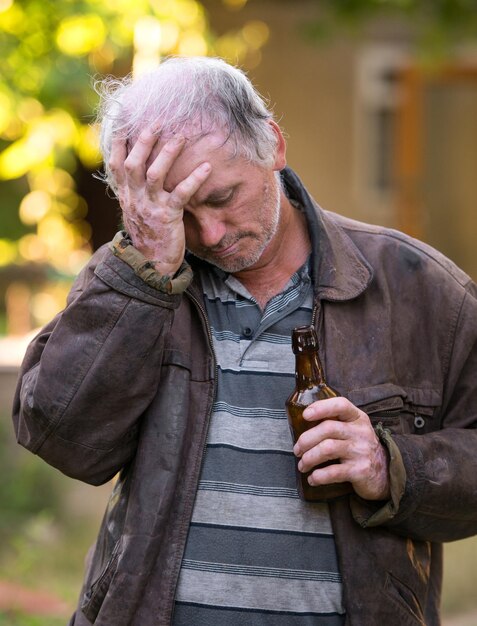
(286, 253)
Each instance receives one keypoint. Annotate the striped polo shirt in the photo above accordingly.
(256, 555)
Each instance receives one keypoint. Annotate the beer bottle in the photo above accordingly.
(310, 386)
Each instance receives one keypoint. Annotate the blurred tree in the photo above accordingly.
(437, 24)
(50, 53)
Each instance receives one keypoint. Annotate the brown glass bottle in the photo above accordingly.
(310, 386)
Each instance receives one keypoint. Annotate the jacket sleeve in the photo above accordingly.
(89, 375)
(434, 475)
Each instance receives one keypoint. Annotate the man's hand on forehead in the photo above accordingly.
(152, 214)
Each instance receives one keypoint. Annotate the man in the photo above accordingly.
(171, 369)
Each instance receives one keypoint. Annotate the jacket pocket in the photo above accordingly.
(421, 410)
(405, 599)
(402, 410)
(94, 596)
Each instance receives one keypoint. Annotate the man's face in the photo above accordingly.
(234, 215)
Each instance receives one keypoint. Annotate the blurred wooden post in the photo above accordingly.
(409, 157)
(410, 139)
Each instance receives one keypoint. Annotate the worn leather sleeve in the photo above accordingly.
(438, 501)
(89, 375)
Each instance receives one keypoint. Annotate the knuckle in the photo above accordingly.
(342, 403)
(152, 177)
(327, 447)
(113, 164)
(144, 136)
(170, 149)
(130, 165)
(178, 198)
(307, 458)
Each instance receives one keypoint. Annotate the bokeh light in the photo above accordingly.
(51, 53)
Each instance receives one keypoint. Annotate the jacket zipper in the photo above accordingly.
(203, 314)
(314, 314)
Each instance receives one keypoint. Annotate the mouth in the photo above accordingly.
(225, 252)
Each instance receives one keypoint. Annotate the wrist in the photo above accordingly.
(173, 282)
(163, 268)
(383, 491)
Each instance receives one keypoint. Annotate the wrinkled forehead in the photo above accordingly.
(196, 135)
(214, 148)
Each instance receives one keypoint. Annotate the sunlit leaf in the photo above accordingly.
(50, 53)
(5, 111)
(13, 19)
(80, 34)
(32, 248)
(255, 33)
(235, 4)
(169, 35)
(34, 206)
(30, 109)
(56, 182)
(8, 251)
(87, 146)
(192, 43)
(19, 157)
(5, 5)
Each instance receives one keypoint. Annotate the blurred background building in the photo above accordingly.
(378, 100)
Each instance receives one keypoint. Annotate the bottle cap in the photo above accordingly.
(304, 339)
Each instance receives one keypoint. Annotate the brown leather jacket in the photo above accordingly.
(124, 379)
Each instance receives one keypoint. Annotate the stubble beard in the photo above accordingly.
(240, 262)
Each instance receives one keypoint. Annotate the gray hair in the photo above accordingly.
(187, 94)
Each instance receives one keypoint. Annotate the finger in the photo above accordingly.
(184, 191)
(333, 473)
(332, 408)
(136, 162)
(327, 429)
(327, 450)
(159, 168)
(116, 160)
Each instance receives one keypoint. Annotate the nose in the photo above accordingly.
(210, 230)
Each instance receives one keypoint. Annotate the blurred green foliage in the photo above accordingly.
(51, 53)
(438, 25)
(42, 542)
(19, 619)
(27, 487)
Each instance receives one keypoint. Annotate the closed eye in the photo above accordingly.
(220, 200)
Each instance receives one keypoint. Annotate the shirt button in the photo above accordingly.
(248, 332)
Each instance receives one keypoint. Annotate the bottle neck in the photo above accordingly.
(308, 370)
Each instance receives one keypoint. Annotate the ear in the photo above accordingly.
(281, 147)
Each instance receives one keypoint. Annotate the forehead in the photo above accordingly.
(213, 148)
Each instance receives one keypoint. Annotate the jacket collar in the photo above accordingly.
(339, 270)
